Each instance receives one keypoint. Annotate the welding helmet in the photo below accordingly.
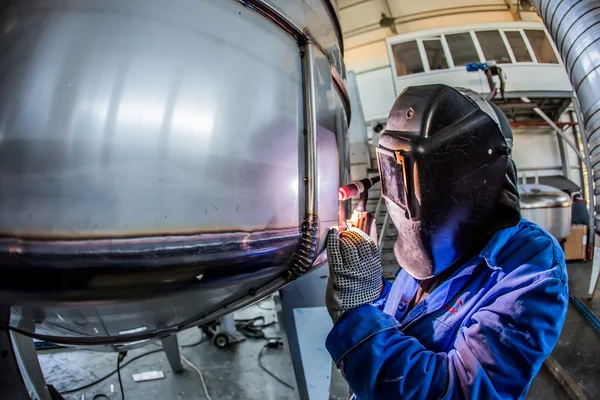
(447, 176)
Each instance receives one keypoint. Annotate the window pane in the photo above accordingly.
(462, 49)
(435, 54)
(407, 58)
(541, 47)
(493, 46)
(518, 46)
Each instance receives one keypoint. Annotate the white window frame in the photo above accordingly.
(527, 45)
(423, 55)
(532, 52)
(477, 46)
(449, 55)
(511, 54)
(470, 29)
(504, 40)
(447, 52)
(392, 57)
(530, 47)
(445, 49)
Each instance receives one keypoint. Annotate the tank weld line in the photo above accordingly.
(306, 254)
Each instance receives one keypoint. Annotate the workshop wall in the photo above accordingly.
(536, 152)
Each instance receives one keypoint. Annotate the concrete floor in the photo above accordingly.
(578, 349)
(233, 373)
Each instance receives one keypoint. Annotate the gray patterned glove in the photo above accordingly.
(355, 274)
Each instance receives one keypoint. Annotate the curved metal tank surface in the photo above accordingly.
(548, 207)
(162, 163)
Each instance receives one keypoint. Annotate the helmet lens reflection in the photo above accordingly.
(393, 180)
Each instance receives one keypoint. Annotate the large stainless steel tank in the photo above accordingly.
(163, 163)
(548, 207)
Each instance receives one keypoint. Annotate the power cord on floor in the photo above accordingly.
(272, 344)
(105, 377)
(188, 362)
(120, 358)
(253, 328)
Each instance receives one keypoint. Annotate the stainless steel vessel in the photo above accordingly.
(163, 163)
(548, 207)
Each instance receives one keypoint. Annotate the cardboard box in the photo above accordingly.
(575, 244)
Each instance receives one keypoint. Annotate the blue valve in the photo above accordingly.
(475, 66)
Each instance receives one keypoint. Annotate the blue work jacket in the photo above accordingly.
(481, 334)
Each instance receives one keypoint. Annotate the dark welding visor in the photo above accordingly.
(394, 184)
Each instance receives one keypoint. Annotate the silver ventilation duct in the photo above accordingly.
(575, 27)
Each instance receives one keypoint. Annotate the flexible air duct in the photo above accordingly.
(575, 27)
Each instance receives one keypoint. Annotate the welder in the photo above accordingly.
(481, 294)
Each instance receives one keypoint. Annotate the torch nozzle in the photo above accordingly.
(356, 188)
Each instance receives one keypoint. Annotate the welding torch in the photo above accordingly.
(360, 218)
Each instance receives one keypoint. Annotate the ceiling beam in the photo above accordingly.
(442, 12)
(341, 8)
(513, 10)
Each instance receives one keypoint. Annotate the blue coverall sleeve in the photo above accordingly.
(496, 353)
(379, 303)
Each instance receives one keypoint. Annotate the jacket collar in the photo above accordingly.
(496, 243)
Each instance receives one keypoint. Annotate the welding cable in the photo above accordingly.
(272, 344)
(188, 362)
(105, 377)
(251, 328)
(589, 315)
(120, 358)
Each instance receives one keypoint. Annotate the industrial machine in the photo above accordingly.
(548, 207)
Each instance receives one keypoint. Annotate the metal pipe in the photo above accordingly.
(310, 127)
(12, 385)
(580, 143)
(378, 208)
(589, 315)
(558, 131)
(564, 160)
(268, 11)
(343, 92)
(305, 255)
(540, 123)
(529, 169)
(383, 229)
(335, 17)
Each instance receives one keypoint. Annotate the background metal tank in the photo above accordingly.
(548, 207)
(163, 163)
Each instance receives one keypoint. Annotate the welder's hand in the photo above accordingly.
(355, 274)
